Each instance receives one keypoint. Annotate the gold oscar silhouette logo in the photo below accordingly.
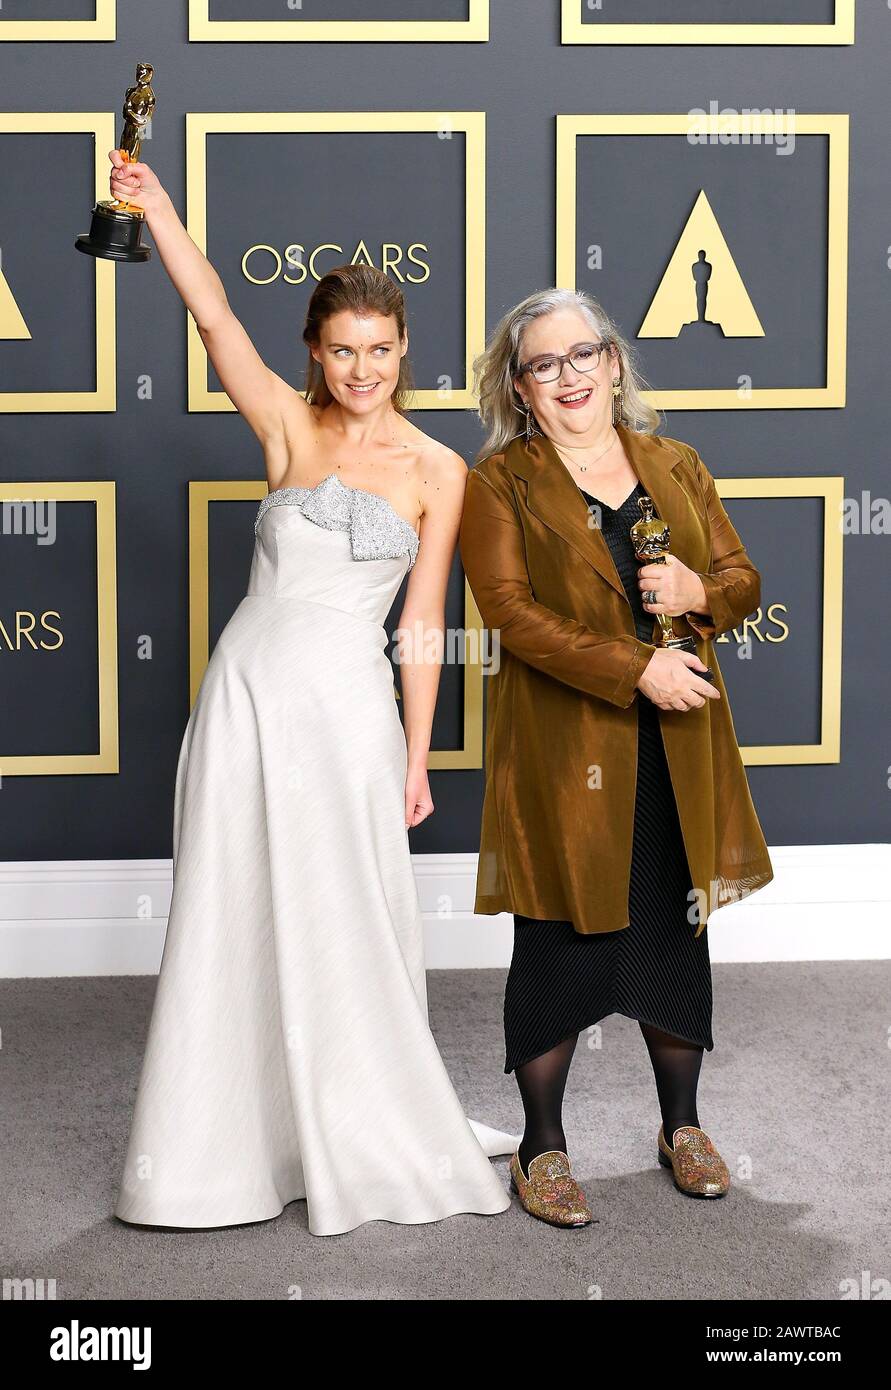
(12, 324)
(701, 285)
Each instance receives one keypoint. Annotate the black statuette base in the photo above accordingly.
(114, 236)
(688, 644)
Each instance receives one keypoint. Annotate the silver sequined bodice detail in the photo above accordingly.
(307, 542)
(375, 528)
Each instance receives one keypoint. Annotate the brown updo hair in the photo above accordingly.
(363, 290)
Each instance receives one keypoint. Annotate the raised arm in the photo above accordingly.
(259, 394)
(492, 553)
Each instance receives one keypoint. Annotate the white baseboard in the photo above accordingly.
(108, 917)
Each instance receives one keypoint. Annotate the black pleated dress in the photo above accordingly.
(656, 969)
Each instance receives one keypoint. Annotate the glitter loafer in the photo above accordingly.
(698, 1168)
(550, 1192)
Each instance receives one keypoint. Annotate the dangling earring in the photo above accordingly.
(618, 406)
(531, 429)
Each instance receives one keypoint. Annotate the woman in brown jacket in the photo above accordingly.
(617, 812)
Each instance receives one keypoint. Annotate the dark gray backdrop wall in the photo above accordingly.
(522, 78)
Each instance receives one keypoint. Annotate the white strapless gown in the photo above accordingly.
(289, 1054)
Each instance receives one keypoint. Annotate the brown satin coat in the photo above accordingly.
(553, 843)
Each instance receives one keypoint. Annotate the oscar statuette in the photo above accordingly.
(116, 225)
(650, 537)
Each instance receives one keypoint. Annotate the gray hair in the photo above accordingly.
(500, 406)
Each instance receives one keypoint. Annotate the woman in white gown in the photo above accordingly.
(289, 1054)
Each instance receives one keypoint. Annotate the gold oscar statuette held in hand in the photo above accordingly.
(116, 225)
(650, 537)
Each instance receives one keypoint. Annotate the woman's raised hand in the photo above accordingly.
(133, 182)
(670, 680)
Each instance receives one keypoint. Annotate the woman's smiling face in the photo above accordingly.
(361, 357)
(578, 402)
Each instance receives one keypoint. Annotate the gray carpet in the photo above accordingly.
(796, 1095)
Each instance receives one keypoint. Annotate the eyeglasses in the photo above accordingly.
(584, 358)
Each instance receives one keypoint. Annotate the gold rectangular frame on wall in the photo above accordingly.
(831, 489)
(839, 31)
(201, 494)
(835, 127)
(100, 125)
(199, 125)
(107, 758)
(474, 29)
(100, 27)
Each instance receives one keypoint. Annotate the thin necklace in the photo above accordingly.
(583, 467)
(581, 491)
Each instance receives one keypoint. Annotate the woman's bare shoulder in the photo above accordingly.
(440, 474)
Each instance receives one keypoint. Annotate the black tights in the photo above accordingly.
(676, 1064)
(542, 1081)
